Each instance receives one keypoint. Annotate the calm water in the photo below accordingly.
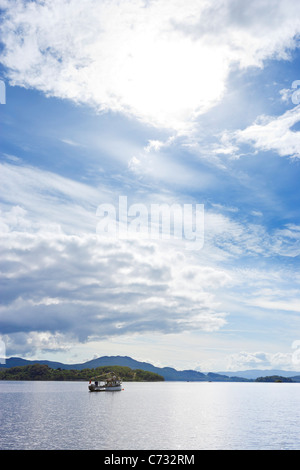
(170, 415)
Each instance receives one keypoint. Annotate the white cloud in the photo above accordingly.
(59, 278)
(286, 95)
(51, 203)
(49, 200)
(260, 360)
(273, 133)
(58, 284)
(162, 62)
(276, 302)
(70, 142)
(256, 213)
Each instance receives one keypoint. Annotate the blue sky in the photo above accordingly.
(144, 100)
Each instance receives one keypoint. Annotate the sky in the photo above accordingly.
(160, 102)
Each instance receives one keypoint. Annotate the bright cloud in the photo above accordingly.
(274, 133)
(162, 62)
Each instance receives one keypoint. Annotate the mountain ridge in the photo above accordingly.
(253, 374)
(169, 373)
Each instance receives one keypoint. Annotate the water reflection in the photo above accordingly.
(170, 415)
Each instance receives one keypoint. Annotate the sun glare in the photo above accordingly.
(169, 83)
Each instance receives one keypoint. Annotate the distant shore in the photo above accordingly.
(42, 372)
(45, 373)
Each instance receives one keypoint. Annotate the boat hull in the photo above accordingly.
(98, 388)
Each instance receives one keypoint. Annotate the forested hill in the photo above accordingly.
(44, 372)
(168, 373)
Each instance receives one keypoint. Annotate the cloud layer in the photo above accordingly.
(86, 288)
(62, 283)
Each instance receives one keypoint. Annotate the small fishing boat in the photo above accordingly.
(110, 383)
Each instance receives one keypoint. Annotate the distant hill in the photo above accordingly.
(253, 374)
(274, 378)
(168, 373)
(18, 361)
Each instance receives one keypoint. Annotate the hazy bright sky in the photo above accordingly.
(162, 101)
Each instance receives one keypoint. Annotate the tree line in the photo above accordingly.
(44, 372)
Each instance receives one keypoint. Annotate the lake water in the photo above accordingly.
(150, 416)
